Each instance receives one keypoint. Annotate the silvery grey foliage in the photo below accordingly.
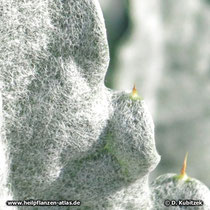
(167, 53)
(64, 135)
(170, 187)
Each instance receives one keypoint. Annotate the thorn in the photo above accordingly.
(183, 171)
(134, 92)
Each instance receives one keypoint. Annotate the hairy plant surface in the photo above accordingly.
(65, 134)
(172, 188)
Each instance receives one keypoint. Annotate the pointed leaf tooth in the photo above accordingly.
(184, 166)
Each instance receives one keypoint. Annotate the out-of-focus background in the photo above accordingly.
(163, 46)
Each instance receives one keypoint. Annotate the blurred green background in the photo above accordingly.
(163, 47)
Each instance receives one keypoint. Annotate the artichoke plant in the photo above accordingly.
(64, 135)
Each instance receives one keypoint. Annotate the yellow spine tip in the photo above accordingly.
(134, 92)
(183, 170)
